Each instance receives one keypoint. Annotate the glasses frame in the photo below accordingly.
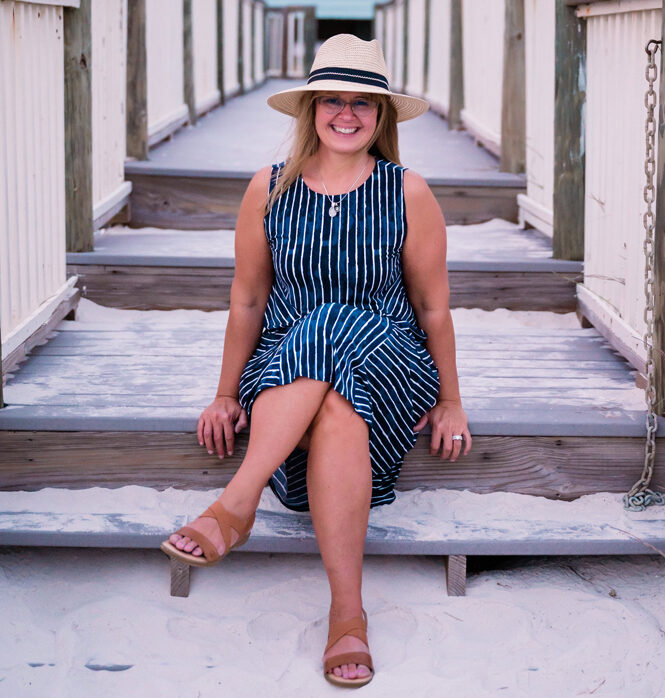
(369, 100)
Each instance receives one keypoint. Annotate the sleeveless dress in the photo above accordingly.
(338, 312)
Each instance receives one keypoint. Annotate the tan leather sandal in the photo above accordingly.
(358, 628)
(226, 521)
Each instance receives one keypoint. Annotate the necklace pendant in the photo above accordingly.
(332, 211)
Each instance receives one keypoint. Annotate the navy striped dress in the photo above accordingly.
(338, 312)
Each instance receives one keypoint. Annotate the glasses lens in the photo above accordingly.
(360, 107)
(363, 107)
(332, 105)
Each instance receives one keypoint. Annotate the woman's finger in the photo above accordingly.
(242, 421)
(467, 441)
(227, 425)
(219, 436)
(456, 448)
(447, 445)
(435, 441)
(207, 435)
(199, 430)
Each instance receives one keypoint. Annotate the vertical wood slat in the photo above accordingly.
(405, 44)
(310, 38)
(241, 50)
(456, 575)
(137, 85)
(659, 242)
(220, 51)
(78, 127)
(456, 100)
(428, 11)
(188, 60)
(513, 98)
(569, 146)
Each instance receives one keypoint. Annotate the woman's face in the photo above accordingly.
(345, 131)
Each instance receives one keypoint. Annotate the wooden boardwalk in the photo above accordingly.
(552, 412)
(196, 179)
(491, 265)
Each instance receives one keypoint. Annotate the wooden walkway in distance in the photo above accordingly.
(196, 179)
(491, 265)
(552, 412)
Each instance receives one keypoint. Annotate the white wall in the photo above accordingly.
(204, 40)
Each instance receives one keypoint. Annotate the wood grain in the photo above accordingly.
(78, 127)
(553, 467)
(137, 82)
(180, 577)
(659, 246)
(456, 77)
(569, 153)
(455, 575)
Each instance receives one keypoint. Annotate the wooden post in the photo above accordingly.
(659, 245)
(179, 578)
(78, 127)
(285, 42)
(188, 60)
(252, 56)
(428, 9)
(310, 37)
(241, 44)
(456, 103)
(137, 83)
(456, 575)
(513, 98)
(2, 375)
(220, 50)
(569, 102)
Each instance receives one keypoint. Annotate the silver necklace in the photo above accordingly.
(334, 205)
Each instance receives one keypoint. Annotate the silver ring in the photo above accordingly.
(458, 437)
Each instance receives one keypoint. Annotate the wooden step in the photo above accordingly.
(494, 265)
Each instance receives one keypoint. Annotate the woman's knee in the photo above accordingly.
(336, 412)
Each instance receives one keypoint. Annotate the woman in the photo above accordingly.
(338, 322)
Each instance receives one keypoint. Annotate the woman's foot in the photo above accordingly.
(209, 527)
(348, 643)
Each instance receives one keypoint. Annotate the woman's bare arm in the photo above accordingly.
(426, 281)
(249, 295)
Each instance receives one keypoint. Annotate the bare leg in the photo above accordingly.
(339, 486)
(280, 416)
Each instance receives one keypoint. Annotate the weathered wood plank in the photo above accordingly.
(188, 61)
(555, 467)
(513, 97)
(456, 575)
(219, 4)
(137, 82)
(569, 153)
(78, 127)
(456, 77)
(179, 578)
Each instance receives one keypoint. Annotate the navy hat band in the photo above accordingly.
(349, 75)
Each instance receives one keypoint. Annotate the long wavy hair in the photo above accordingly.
(383, 143)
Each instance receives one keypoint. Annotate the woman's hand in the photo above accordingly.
(446, 418)
(218, 424)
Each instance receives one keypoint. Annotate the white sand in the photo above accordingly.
(101, 622)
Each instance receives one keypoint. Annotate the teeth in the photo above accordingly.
(339, 129)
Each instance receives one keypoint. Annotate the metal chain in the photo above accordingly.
(640, 496)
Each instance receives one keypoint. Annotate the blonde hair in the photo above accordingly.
(383, 143)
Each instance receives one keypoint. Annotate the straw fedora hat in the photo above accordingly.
(345, 63)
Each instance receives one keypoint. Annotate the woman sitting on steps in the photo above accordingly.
(340, 342)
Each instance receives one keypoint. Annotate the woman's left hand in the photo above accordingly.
(446, 418)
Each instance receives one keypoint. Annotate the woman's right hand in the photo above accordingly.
(218, 424)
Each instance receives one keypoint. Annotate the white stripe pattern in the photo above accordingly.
(338, 312)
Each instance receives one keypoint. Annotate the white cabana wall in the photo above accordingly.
(295, 52)
(247, 44)
(164, 57)
(204, 46)
(109, 89)
(380, 26)
(274, 33)
(415, 63)
(482, 29)
(389, 45)
(438, 82)
(399, 27)
(535, 207)
(259, 73)
(615, 149)
(231, 84)
(32, 170)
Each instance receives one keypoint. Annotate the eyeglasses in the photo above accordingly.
(360, 106)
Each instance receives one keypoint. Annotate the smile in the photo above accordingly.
(340, 129)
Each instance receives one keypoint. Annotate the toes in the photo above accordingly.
(352, 671)
(174, 538)
(337, 671)
(345, 671)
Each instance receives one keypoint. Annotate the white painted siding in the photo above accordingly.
(32, 152)
(539, 29)
(438, 84)
(415, 64)
(259, 73)
(615, 145)
(231, 84)
(164, 56)
(204, 39)
(482, 28)
(109, 88)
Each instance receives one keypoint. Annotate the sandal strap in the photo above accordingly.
(209, 550)
(226, 521)
(348, 658)
(354, 626)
